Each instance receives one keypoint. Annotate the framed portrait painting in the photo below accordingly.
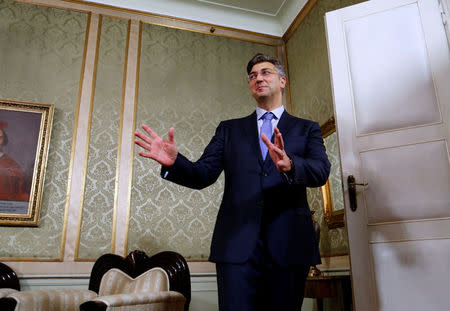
(25, 130)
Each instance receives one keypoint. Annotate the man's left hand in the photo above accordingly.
(276, 151)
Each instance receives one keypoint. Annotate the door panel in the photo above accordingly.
(390, 72)
(403, 192)
(387, 54)
(412, 275)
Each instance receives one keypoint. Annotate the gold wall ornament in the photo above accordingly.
(332, 190)
(314, 271)
(25, 130)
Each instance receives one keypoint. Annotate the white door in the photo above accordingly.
(390, 71)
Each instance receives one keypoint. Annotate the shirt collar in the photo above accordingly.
(277, 112)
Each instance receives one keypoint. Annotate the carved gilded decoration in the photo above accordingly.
(332, 195)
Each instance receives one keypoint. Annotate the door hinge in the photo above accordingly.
(444, 8)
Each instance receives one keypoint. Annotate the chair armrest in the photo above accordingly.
(50, 299)
(6, 291)
(167, 300)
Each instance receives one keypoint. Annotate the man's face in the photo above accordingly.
(265, 81)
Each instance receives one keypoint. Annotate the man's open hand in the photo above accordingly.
(163, 151)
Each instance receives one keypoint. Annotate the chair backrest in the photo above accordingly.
(137, 263)
(8, 278)
(117, 282)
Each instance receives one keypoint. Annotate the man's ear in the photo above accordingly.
(283, 82)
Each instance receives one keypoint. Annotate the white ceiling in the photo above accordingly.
(268, 7)
(271, 17)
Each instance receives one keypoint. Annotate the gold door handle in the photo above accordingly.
(351, 182)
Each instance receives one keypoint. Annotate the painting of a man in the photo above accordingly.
(12, 183)
(25, 130)
(19, 135)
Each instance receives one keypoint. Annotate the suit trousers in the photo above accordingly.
(260, 284)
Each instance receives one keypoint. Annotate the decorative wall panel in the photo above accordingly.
(41, 52)
(190, 81)
(311, 96)
(98, 203)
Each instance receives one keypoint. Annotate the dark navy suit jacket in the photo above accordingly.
(258, 201)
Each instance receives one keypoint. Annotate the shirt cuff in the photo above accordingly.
(289, 176)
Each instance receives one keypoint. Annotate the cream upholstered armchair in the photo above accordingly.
(134, 283)
(138, 282)
(9, 282)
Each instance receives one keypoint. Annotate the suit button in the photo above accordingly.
(265, 174)
(260, 202)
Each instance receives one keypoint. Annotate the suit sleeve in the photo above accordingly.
(312, 169)
(205, 171)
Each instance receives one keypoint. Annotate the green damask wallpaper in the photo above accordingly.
(311, 97)
(98, 203)
(190, 81)
(41, 52)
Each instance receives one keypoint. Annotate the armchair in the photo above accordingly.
(9, 282)
(137, 282)
(121, 282)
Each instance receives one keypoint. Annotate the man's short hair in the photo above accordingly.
(261, 58)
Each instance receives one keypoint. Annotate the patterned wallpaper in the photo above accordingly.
(41, 51)
(311, 97)
(190, 81)
(337, 196)
(98, 204)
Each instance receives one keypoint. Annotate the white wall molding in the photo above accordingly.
(226, 16)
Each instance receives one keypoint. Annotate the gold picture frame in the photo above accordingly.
(25, 130)
(334, 218)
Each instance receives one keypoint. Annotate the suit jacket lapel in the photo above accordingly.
(285, 124)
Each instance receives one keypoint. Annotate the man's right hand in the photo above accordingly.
(163, 151)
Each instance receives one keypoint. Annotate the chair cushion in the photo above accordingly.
(117, 282)
(51, 299)
(160, 301)
(6, 291)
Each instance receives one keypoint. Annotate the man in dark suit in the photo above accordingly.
(263, 241)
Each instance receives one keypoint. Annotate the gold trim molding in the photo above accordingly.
(92, 70)
(72, 149)
(119, 144)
